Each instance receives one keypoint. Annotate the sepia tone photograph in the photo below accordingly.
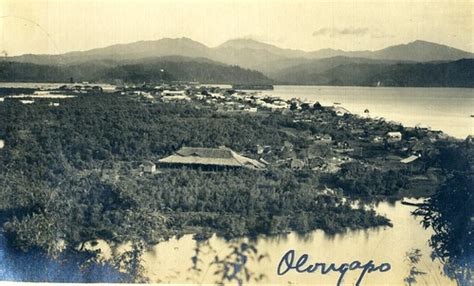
(237, 142)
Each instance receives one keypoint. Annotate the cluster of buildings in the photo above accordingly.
(39, 94)
(87, 88)
(224, 99)
(324, 151)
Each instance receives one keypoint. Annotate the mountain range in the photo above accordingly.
(271, 63)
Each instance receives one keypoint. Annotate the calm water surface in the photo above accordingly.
(170, 261)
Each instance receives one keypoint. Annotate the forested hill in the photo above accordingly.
(147, 70)
(458, 73)
(332, 71)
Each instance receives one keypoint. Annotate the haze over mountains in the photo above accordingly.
(289, 66)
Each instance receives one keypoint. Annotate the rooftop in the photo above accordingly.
(410, 159)
(221, 156)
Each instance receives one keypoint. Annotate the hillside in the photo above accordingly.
(123, 52)
(145, 70)
(245, 53)
(183, 59)
(420, 51)
(307, 70)
(366, 73)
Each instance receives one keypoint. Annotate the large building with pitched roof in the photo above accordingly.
(209, 159)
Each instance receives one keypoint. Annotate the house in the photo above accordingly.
(343, 145)
(250, 109)
(108, 89)
(394, 137)
(410, 159)
(263, 149)
(41, 92)
(358, 132)
(209, 159)
(279, 104)
(2, 144)
(413, 165)
(148, 167)
(340, 111)
(173, 93)
(216, 95)
(169, 98)
(200, 96)
(97, 88)
(324, 139)
(145, 94)
(377, 139)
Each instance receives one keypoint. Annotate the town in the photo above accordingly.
(317, 138)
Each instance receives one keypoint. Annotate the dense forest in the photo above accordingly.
(60, 190)
(68, 151)
(146, 70)
(338, 71)
(363, 72)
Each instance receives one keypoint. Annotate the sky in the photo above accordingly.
(52, 27)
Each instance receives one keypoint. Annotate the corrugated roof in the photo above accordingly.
(205, 152)
(211, 156)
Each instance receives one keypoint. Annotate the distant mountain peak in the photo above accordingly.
(423, 44)
(243, 40)
(179, 39)
(245, 43)
(248, 53)
(422, 51)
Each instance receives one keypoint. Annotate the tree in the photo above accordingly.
(450, 213)
(317, 106)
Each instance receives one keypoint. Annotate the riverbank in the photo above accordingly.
(172, 261)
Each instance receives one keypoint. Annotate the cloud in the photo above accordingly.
(350, 31)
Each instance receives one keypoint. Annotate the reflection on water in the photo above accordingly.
(171, 261)
(37, 267)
